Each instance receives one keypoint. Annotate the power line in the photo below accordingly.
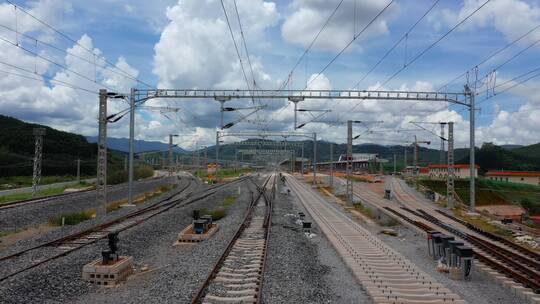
(244, 41)
(53, 62)
(432, 45)
(396, 44)
(513, 85)
(75, 42)
(491, 56)
(67, 52)
(235, 46)
(306, 51)
(350, 42)
(59, 82)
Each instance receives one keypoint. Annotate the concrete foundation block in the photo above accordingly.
(108, 275)
(189, 236)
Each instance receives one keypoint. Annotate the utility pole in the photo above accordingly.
(131, 145)
(101, 176)
(302, 168)
(450, 177)
(221, 102)
(78, 171)
(171, 154)
(38, 156)
(331, 165)
(394, 163)
(415, 153)
(472, 191)
(205, 157)
(349, 164)
(405, 157)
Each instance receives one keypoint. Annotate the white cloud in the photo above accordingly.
(309, 16)
(512, 18)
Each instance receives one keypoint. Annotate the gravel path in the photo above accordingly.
(34, 214)
(304, 270)
(176, 271)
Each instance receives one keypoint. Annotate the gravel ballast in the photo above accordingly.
(17, 218)
(174, 272)
(300, 269)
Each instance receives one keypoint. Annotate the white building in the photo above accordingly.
(522, 177)
(461, 171)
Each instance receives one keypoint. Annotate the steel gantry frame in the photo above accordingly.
(466, 98)
(264, 135)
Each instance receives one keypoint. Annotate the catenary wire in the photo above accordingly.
(74, 41)
(432, 45)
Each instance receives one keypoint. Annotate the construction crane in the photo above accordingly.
(441, 136)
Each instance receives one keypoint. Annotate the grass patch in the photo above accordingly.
(73, 218)
(229, 201)
(220, 211)
(139, 199)
(484, 225)
(12, 182)
(365, 211)
(490, 192)
(222, 173)
(41, 193)
(217, 213)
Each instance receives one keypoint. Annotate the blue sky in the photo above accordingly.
(186, 44)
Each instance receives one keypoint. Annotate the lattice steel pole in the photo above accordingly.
(101, 176)
(78, 171)
(472, 190)
(217, 154)
(171, 154)
(131, 145)
(302, 167)
(331, 165)
(315, 159)
(450, 177)
(442, 143)
(349, 164)
(38, 156)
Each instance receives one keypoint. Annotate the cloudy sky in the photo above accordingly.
(51, 77)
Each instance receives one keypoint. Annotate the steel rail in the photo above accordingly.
(100, 228)
(198, 298)
(497, 257)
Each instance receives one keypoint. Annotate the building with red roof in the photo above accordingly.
(521, 177)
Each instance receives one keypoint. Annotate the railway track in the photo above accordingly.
(384, 274)
(43, 253)
(49, 198)
(518, 263)
(237, 277)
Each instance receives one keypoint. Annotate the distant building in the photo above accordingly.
(359, 157)
(360, 162)
(461, 171)
(522, 177)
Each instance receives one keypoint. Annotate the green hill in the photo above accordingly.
(60, 152)
(493, 157)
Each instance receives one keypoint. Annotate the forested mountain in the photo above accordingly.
(60, 150)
